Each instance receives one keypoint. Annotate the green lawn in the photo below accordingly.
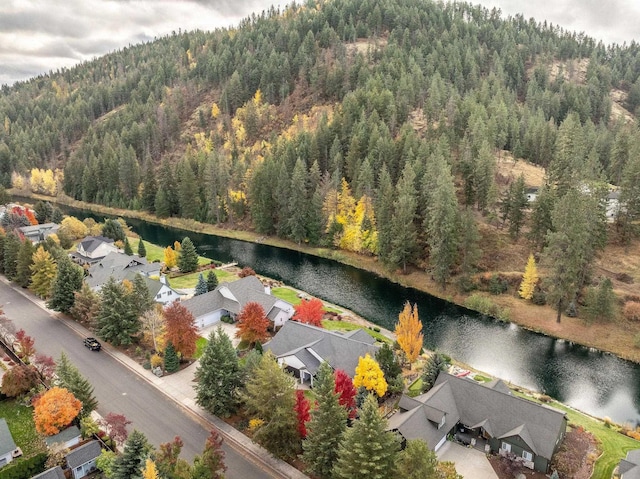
(20, 421)
(345, 326)
(201, 343)
(190, 280)
(291, 296)
(155, 252)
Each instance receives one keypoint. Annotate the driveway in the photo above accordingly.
(470, 463)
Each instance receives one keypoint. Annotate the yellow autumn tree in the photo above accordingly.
(73, 228)
(150, 470)
(177, 245)
(529, 280)
(370, 376)
(409, 332)
(170, 257)
(55, 410)
(215, 111)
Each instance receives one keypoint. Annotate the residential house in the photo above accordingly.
(480, 414)
(92, 249)
(532, 194)
(629, 468)
(159, 290)
(228, 299)
(82, 459)
(118, 266)
(53, 473)
(8, 449)
(38, 233)
(65, 439)
(301, 348)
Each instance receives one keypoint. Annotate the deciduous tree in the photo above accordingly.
(26, 346)
(370, 376)
(181, 329)
(19, 380)
(43, 272)
(55, 410)
(153, 329)
(326, 426)
(367, 450)
(529, 280)
(170, 257)
(86, 306)
(346, 392)
(45, 365)
(150, 470)
(409, 332)
(73, 227)
(218, 376)
(168, 458)
(310, 312)
(302, 408)
(116, 426)
(210, 465)
(252, 324)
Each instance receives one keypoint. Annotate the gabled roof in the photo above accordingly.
(83, 454)
(63, 436)
(7, 444)
(154, 285)
(119, 265)
(39, 232)
(629, 468)
(500, 413)
(53, 473)
(91, 243)
(232, 297)
(300, 340)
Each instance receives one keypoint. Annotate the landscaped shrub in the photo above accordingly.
(27, 468)
(246, 271)
(156, 361)
(632, 311)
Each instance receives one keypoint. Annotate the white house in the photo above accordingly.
(92, 249)
(82, 460)
(160, 291)
(8, 449)
(228, 299)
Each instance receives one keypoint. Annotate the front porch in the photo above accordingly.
(476, 438)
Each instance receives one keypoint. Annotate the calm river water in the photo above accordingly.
(592, 381)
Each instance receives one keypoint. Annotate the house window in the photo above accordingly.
(159, 295)
(527, 456)
(506, 447)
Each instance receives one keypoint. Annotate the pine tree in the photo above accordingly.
(142, 250)
(298, 203)
(129, 464)
(388, 362)
(541, 220)
(515, 215)
(140, 296)
(600, 302)
(187, 256)
(403, 241)
(11, 250)
(24, 263)
(171, 360)
(431, 370)
(270, 396)
(326, 427)
(212, 280)
(569, 155)
(68, 280)
(484, 170)
(117, 320)
(367, 450)
(468, 250)
(409, 332)
(529, 280)
(218, 376)
(150, 188)
(201, 286)
(113, 229)
(384, 214)
(43, 272)
(127, 247)
(417, 461)
(71, 379)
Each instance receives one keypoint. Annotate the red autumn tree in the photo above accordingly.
(25, 344)
(211, 463)
(252, 324)
(302, 409)
(344, 387)
(18, 380)
(54, 410)
(45, 365)
(309, 312)
(181, 329)
(168, 456)
(116, 426)
(30, 216)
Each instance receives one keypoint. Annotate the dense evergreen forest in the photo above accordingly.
(369, 125)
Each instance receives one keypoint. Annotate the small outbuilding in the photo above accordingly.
(82, 460)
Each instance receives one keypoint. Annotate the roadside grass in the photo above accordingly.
(345, 326)
(190, 280)
(201, 343)
(20, 421)
(291, 296)
(613, 444)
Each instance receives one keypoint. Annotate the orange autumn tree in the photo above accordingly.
(409, 332)
(252, 324)
(55, 410)
(309, 312)
(180, 329)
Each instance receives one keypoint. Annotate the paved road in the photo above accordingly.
(117, 388)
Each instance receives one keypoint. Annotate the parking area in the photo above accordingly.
(470, 463)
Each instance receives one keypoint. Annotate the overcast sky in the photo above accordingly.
(41, 35)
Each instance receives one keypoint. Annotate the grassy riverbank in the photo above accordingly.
(615, 337)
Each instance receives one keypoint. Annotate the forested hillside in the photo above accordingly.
(374, 126)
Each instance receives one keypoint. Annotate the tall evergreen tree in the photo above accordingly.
(24, 263)
(142, 250)
(71, 379)
(600, 302)
(468, 248)
(113, 229)
(403, 242)
(298, 203)
(187, 256)
(518, 202)
(569, 156)
(219, 375)
(127, 247)
(541, 219)
(417, 461)
(384, 214)
(201, 286)
(188, 197)
(117, 320)
(326, 427)
(150, 187)
(141, 299)
(629, 201)
(68, 280)
(212, 280)
(171, 359)
(367, 450)
(484, 170)
(11, 250)
(129, 464)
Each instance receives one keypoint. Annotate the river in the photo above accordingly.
(598, 383)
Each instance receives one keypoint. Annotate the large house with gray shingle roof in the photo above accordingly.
(490, 413)
(119, 266)
(629, 468)
(228, 299)
(92, 249)
(301, 348)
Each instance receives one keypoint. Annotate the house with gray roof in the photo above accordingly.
(301, 348)
(53, 473)
(92, 249)
(118, 266)
(38, 233)
(487, 414)
(82, 459)
(65, 439)
(228, 299)
(159, 290)
(629, 468)
(8, 449)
